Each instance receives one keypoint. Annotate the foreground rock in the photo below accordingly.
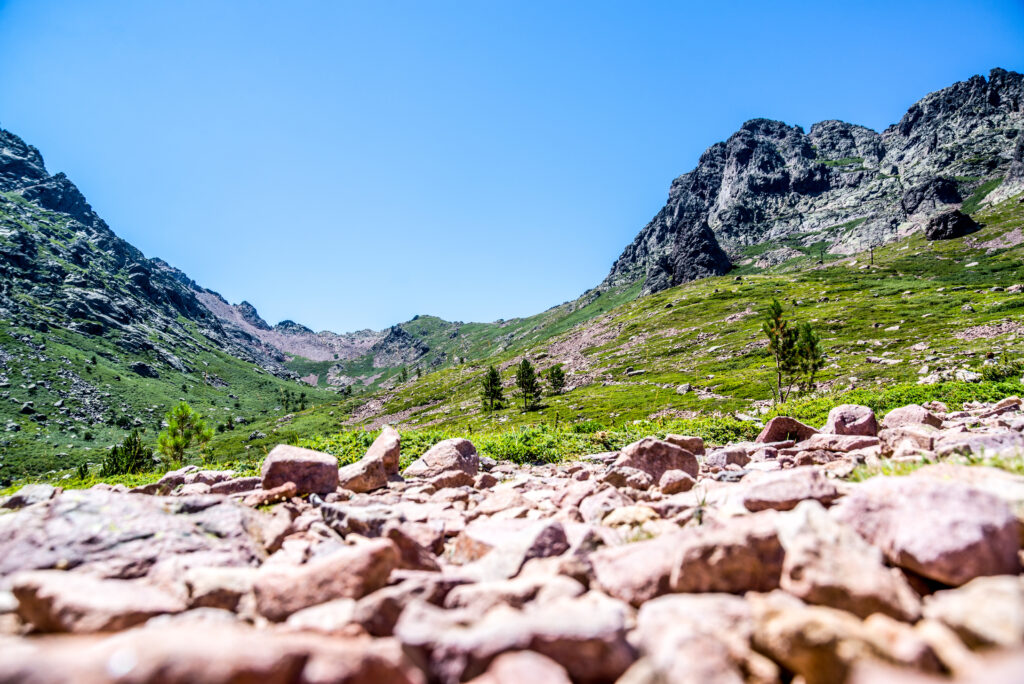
(754, 562)
(944, 531)
(201, 653)
(117, 535)
(350, 572)
(57, 601)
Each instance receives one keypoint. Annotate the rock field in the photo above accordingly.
(670, 561)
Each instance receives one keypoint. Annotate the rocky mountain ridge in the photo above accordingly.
(838, 189)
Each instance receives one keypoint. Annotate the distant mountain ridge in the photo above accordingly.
(841, 187)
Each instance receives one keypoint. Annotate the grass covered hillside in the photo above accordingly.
(688, 359)
(922, 310)
(96, 340)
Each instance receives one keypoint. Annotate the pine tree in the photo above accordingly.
(403, 375)
(810, 357)
(782, 347)
(526, 381)
(556, 378)
(796, 351)
(491, 392)
(184, 428)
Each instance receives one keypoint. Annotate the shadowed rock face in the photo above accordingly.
(841, 184)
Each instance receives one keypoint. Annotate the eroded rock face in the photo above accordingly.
(770, 181)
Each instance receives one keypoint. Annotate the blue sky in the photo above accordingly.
(350, 165)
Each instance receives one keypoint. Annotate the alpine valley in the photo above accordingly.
(903, 247)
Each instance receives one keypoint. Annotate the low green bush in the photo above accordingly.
(130, 456)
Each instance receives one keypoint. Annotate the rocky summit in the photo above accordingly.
(838, 188)
(671, 560)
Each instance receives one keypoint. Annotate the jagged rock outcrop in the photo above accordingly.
(840, 184)
(398, 347)
(948, 225)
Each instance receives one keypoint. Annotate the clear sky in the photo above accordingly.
(350, 165)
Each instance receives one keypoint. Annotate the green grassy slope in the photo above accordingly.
(940, 305)
(880, 324)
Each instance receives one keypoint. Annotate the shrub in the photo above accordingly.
(1003, 369)
(130, 456)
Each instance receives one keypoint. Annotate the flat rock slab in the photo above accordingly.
(350, 572)
(783, 490)
(945, 531)
(203, 653)
(58, 601)
(120, 535)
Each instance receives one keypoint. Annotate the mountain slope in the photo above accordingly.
(95, 338)
(840, 188)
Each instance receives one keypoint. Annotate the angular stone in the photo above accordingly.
(695, 445)
(363, 476)
(446, 458)
(412, 555)
(378, 612)
(912, 414)
(983, 445)
(58, 601)
(743, 555)
(501, 547)
(480, 597)
(675, 481)
(700, 638)
(350, 572)
(312, 472)
(783, 490)
(781, 428)
(726, 456)
(207, 653)
(851, 419)
(907, 439)
(822, 645)
(594, 507)
(28, 495)
(263, 497)
(985, 612)
(387, 449)
(945, 531)
(585, 635)
(654, 457)
(331, 617)
(831, 565)
(224, 588)
(236, 485)
(839, 443)
(627, 477)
